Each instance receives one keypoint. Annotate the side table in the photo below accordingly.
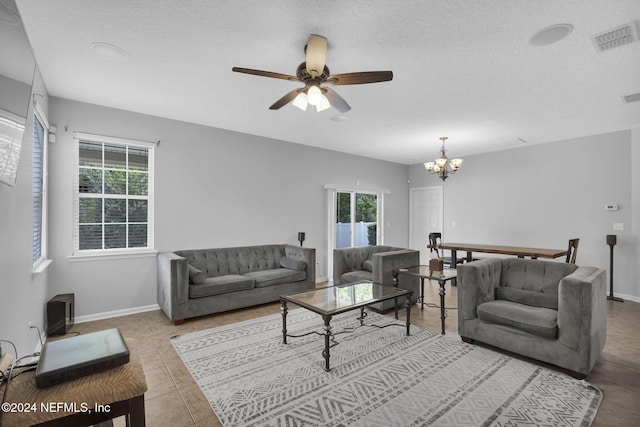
(81, 402)
(423, 272)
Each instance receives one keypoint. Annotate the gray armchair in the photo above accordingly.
(375, 263)
(549, 311)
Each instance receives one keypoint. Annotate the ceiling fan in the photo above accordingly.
(313, 73)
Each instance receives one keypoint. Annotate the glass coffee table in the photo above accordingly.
(333, 300)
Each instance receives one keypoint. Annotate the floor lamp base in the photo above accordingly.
(612, 298)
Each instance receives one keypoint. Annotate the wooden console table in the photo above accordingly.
(81, 402)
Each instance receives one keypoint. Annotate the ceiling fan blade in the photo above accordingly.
(360, 78)
(286, 99)
(316, 55)
(336, 100)
(265, 74)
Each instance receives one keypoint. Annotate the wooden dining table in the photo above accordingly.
(519, 251)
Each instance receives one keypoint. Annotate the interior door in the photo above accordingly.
(425, 216)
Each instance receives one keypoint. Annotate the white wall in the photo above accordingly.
(635, 204)
(22, 295)
(213, 188)
(543, 195)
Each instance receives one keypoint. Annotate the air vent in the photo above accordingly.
(631, 98)
(510, 143)
(624, 34)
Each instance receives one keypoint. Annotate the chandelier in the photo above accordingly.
(443, 166)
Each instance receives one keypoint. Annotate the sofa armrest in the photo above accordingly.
(307, 255)
(173, 282)
(582, 309)
(385, 262)
(477, 282)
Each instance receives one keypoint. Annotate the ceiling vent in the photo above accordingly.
(624, 34)
(631, 98)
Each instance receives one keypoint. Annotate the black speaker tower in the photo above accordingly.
(611, 241)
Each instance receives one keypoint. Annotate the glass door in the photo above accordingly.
(356, 219)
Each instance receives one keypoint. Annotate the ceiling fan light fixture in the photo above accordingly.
(314, 95)
(323, 104)
(300, 101)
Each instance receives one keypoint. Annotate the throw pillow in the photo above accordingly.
(293, 264)
(196, 276)
(367, 265)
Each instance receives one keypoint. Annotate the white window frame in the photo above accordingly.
(149, 250)
(40, 264)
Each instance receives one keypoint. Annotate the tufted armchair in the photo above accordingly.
(375, 263)
(549, 311)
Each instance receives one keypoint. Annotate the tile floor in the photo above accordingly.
(174, 399)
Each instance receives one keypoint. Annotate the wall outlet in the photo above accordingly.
(618, 226)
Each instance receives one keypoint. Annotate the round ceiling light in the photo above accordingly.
(8, 16)
(109, 51)
(550, 35)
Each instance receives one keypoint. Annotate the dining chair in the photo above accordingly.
(434, 240)
(572, 251)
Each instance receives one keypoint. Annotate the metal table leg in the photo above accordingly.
(442, 310)
(327, 338)
(407, 305)
(283, 311)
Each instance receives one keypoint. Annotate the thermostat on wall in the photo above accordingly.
(610, 207)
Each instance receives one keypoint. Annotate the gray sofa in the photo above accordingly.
(197, 282)
(549, 311)
(375, 263)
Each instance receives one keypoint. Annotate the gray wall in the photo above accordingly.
(213, 188)
(23, 295)
(543, 195)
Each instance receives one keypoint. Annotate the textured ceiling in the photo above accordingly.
(463, 69)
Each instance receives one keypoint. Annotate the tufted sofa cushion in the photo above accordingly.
(532, 284)
(542, 322)
(538, 277)
(240, 260)
(220, 285)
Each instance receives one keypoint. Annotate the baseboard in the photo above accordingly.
(116, 313)
(626, 297)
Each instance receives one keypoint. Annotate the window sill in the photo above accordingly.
(112, 255)
(41, 266)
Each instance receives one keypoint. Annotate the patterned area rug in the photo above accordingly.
(378, 377)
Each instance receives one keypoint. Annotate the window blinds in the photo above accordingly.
(38, 175)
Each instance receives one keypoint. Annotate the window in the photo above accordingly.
(11, 130)
(40, 130)
(113, 195)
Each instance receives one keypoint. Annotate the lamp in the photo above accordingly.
(301, 237)
(443, 166)
(612, 239)
(312, 96)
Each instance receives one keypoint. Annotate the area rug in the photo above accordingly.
(378, 377)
